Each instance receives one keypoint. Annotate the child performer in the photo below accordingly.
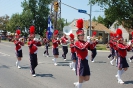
(81, 48)
(122, 52)
(131, 42)
(93, 49)
(73, 54)
(46, 42)
(55, 42)
(18, 43)
(33, 43)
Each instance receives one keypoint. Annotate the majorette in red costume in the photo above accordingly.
(55, 45)
(33, 43)
(73, 54)
(18, 43)
(81, 49)
(111, 46)
(131, 58)
(46, 43)
(122, 52)
(64, 42)
(94, 42)
(114, 50)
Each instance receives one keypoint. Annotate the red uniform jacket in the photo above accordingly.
(64, 40)
(93, 45)
(45, 40)
(122, 49)
(33, 46)
(115, 46)
(110, 43)
(81, 48)
(55, 43)
(18, 45)
(72, 46)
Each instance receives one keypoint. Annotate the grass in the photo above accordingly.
(101, 47)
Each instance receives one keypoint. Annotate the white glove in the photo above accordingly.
(96, 39)
(57, 38)
(35, 39)
(129, 43)
(88, 38)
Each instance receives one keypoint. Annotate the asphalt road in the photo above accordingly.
(61, 76)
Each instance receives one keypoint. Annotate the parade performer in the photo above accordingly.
(55, 42)
(131, 42)
(110, 43)
(18, 43)
(46, 42)
(115, 53)
(64, 42)
(82, 66)
(93, 42)
(33, 43)
(73, 54)
(122, 52)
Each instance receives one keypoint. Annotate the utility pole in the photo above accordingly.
(56, 12)
(90, 27)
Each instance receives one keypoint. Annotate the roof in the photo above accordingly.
(95, 26)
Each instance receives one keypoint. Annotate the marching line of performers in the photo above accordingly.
(79, 51)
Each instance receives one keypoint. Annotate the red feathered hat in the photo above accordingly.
(71, 36)
(132, 34)
(79, 32)
(79, 23)
(56, 32)
(32, 31)
(119, 33)
(94, 33)
(111, 34)
(18, 32)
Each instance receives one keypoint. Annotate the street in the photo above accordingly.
(61, 76)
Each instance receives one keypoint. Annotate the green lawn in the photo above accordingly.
(101, 47)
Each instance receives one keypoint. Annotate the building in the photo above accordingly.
(102, 31)
(126, 33)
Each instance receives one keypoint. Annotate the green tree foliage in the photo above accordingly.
(120, 10)
(94, 19)
(3, 22)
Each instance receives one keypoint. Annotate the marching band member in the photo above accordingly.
(73, 54)
(122, 52)
(18, 43)
(131, 42)
(111, 46)
(55, 42)
(33, 43)
(82, 66)
(93, 42)
(46, 42)
(115, 53)
(64, 42)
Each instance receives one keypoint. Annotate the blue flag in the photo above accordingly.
(50, 29)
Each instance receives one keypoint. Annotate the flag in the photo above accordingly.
(50, 29)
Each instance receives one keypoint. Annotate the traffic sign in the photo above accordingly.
(82, 11)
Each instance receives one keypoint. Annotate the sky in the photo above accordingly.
(10, 7)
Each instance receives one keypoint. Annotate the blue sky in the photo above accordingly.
(10, 7)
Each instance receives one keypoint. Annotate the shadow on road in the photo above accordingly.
(4, 66)
(129, 82)
(100, 62)
(45, 75)
(25, 67)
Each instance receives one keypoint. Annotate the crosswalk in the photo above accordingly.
(4, 54)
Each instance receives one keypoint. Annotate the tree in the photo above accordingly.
(39, 13)
(120, 10)
(94, 19)
(3, 22)
(100, 20)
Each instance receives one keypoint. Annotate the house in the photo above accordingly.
(125, 31)
(102, 31)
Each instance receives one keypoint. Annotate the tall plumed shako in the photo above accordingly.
(71, 36)
(79, 23)
(56, 32)
(32, 31)
(94, 34)
(132, 34)
(18, 32)
(119, 33)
